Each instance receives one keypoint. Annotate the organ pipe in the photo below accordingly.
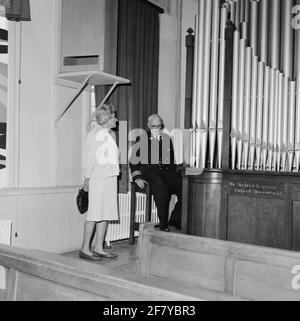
(297, 74)
(214, 80)
(206, 73)
(246, 123)
(253, 112)
(221, 81)
(275, 34)
(287, 39)
(235, 97)
(199, 72)
(195, 102)
(284, 124)
(259, 120)
(271, 117)
(278, 125)
(265, 110)
(241, 101)
(254, 27)
(264, 30)
(291, 125)
(237, 15)
(266, 118)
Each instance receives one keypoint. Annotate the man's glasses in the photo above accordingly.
(156, 126)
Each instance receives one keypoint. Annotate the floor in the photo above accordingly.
(124, 262)
(126, 259)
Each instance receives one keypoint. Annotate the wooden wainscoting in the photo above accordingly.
(43, 218)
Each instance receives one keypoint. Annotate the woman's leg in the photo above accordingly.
(100, 236)
(88, 232)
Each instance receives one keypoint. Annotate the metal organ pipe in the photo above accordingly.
(284, 123)
(206, 74)
(259, 120)
(278, 92)
(264, 30)
(271, 117)
(297, 131)
(199, 77)
(242, 10)
(291, 125)
(247, 10)
(266, 119)
(237, 15)
(235, 100)
(241, 101)
(287, 39)
(214, 81)
(275, 34)
(221, 82)
(195, 103)
(253, 112)
(254, 27)
(246, 123)
(278, 123)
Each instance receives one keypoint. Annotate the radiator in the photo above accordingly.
(5, 232)
(119, 230)
(5, 238)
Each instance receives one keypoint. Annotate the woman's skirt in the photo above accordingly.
(103, 200)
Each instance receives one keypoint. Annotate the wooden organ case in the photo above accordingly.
(244, 115)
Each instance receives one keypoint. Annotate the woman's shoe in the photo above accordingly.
(106, 255)
(106, 246)
(85, 256)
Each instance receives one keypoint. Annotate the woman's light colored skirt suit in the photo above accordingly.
(102, 168)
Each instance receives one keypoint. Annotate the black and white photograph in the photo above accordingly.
(149, 154)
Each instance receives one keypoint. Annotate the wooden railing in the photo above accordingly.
(35, 275)
(218, 269)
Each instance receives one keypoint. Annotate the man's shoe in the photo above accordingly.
(85, 256)
(164, 228)
(175, 224)
(106, 255)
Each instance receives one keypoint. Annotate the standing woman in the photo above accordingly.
(101, 170)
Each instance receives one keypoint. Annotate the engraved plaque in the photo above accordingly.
(257, 189)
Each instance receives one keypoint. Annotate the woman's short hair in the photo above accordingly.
(104, 113)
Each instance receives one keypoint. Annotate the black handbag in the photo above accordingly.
(82, 201)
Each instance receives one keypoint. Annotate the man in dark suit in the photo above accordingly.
(158, 168)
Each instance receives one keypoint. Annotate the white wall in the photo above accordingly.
(44, 219)
(48, 156)
(36, 99)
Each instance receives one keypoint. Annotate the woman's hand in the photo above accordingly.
(86, 184)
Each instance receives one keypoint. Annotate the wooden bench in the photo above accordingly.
(239, 271)
(35, 275)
